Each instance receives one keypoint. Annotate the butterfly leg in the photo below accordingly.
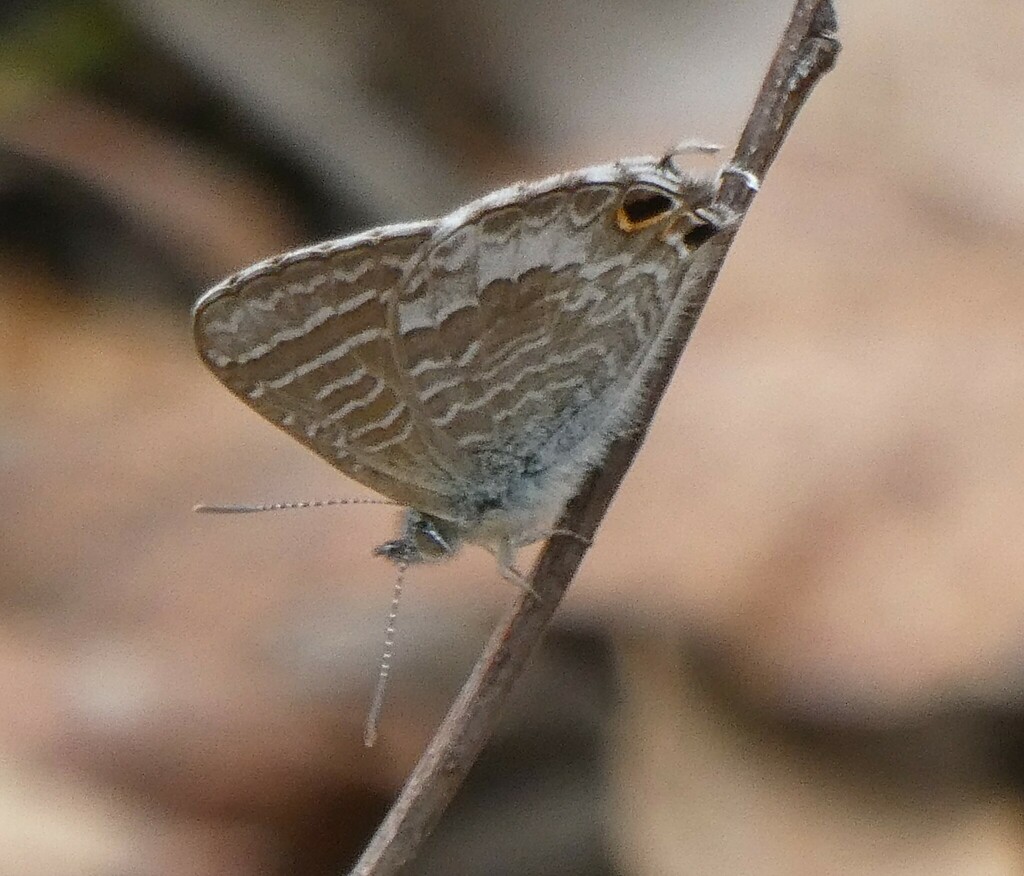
(750, 179)
(717, 218)
(544, 534)
(511, 573)
(568, 533)
(504, 553)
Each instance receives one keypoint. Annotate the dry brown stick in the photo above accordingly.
(806, 52)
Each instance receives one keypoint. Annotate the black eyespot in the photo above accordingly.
(638, 206)
(701, 234)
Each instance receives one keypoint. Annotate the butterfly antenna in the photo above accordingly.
(285, 506)
(373, 717)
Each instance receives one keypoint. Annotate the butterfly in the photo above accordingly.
(471, 368)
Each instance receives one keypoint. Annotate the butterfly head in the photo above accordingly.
(424, 539)
(663, 201)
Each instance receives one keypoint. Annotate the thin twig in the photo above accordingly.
(806, 52)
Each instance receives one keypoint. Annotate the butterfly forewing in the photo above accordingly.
(304, 340)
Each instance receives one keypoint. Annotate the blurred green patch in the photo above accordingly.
(53, 45)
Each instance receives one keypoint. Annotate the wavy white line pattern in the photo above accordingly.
(472, 367)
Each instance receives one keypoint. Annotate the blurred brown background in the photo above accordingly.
(796, 647)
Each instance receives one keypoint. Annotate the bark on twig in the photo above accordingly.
(806, 52)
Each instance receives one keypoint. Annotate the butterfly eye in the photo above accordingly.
(641, 207)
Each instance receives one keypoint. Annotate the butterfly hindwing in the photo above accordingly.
(303, 340)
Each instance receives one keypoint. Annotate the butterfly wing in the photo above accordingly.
(524, 328)
(303, 339)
